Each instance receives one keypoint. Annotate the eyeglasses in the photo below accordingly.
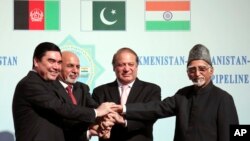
(201, 69)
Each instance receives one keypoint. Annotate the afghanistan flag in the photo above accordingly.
(102, 15)
(167, 15)
(36, 14)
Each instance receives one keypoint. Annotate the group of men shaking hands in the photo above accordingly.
(49, 104)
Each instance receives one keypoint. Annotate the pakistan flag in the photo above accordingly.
(108, 15)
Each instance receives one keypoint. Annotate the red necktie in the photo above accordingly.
(71, 95)
(124, 94)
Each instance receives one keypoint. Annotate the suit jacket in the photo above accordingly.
(203, 115)
(140, 92)
(74, 130)
(37, 111)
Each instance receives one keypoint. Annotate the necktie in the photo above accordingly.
(71, 95)
(124, 94)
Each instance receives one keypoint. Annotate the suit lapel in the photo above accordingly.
(77, 92)
(135, 91)
(61, 91)
(114, 92)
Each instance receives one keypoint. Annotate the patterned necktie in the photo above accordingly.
(124, 94)
(71, 95)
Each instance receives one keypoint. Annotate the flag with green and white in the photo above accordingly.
(103, 15)
(167, 15)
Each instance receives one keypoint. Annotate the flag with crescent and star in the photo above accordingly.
(103, 15)
(167, 15)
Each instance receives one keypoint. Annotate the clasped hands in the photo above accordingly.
(111, 115)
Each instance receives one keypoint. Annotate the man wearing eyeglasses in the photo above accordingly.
(203, 111)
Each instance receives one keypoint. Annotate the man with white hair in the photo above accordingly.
(203, 111)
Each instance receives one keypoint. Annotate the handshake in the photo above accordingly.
(108, 114)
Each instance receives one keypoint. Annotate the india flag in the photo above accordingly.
(36, 14)
(167, 15)
(103, 15)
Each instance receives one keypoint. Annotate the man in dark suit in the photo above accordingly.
(74, 131)
(203, 111)
(38, 112)
(125, 65)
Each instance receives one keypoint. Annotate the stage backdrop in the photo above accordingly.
(162, 37)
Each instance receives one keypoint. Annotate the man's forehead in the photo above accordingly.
(53, 55)
(49, 53)
(198, 62)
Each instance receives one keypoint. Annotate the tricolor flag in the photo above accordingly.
(102, 15)
(167, 15)
(36, 14)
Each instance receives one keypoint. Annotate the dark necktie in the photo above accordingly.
(71, 95)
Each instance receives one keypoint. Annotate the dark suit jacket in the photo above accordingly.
(73, 130)
(203, 115)
(37, 111)
(140, 92)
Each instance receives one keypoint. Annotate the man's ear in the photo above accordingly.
(211, 70)
(35, 61)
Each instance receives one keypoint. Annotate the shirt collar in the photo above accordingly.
(64, 84)
(129, 85)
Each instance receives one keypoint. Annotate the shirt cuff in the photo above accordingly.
(88, 135)
(124, 109)
(95, 113)
(126, 123)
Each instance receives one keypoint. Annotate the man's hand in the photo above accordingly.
(118, 108)
(107, 134)
(108, 116)
(93, 130)
(107, 123)
(117, 118)
(105, 108)
(96, 130)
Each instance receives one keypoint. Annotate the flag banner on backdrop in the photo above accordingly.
(103, 15)
(36, 15)
(167, 15)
